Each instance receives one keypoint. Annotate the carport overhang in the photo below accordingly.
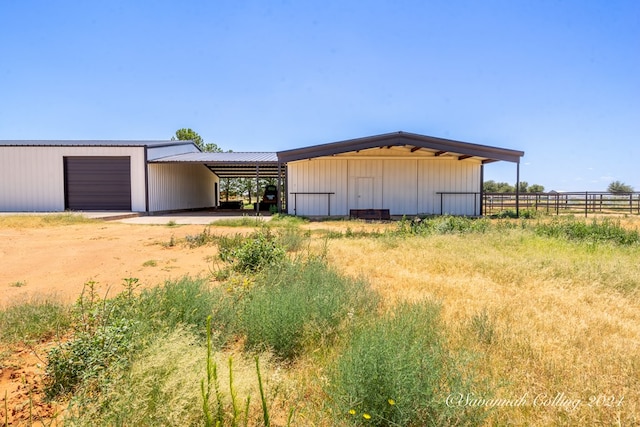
(413, 145)
(255, 165)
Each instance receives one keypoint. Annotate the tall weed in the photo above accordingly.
(396, 371)
(103, 335)
(185, 301)
(605, 230)
(301, 305)
(108, 331)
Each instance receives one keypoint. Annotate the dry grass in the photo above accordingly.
(43, 220)
(163, 387)
(549, 322)
(563, 317)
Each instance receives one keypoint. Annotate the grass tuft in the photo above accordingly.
(596, 231)
(395, 370)
(302, 307)
(37, 320)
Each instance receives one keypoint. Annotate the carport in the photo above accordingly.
(254, 165)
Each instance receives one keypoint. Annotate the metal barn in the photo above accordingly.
(398, 173)
(43, 176)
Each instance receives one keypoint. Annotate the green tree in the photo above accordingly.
(619, 187)
(188, 134)
(497, 187)
(536, 188)
(491, 186)
(523, 186)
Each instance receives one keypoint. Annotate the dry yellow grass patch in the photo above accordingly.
(555, 330)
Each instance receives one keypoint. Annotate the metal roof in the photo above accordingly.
(91, 143)
(231, 157)
(438, 146)
(232, 165)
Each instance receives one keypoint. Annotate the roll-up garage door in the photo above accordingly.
(97, 183)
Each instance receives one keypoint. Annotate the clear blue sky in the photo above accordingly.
(559, 80)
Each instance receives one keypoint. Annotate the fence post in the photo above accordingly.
(586, 203)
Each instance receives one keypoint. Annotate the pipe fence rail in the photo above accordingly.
(583, 202)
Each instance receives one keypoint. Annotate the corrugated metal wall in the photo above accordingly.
(448, 175)
(404, 186)
(32, 178)
(180, 186)
(313, 176)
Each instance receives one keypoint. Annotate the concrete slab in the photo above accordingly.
(196, 217)
(190, 218)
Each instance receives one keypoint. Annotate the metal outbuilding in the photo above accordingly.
(399, 173)
(42, 176)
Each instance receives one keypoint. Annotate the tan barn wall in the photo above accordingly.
(32, 178)
(405, 186)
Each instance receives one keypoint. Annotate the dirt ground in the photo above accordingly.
(55, 261)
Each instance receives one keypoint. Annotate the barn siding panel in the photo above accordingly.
(400, 187)
(448, 176)
(180, 186)
(318, 175)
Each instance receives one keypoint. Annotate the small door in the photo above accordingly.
(364, 192)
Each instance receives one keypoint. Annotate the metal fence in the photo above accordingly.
(579, 202)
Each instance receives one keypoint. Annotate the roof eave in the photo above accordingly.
(401, 138)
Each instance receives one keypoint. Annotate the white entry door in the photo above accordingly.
(364, 192)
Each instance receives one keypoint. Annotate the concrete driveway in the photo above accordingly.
(191, 218)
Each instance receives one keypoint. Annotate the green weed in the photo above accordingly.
(245, 221)
(18, 284)
(442, 225)
(203, 238)
(395, 371)
(300, 306)
(605, 230)
(258, 251)
(34, 321)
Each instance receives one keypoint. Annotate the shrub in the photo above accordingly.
(254, 253)
(196, 240)
(442, 225)
(187, 301)
(301, 305)
(87, 355)
(291, 238)
(103, 334)
(395, 371)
